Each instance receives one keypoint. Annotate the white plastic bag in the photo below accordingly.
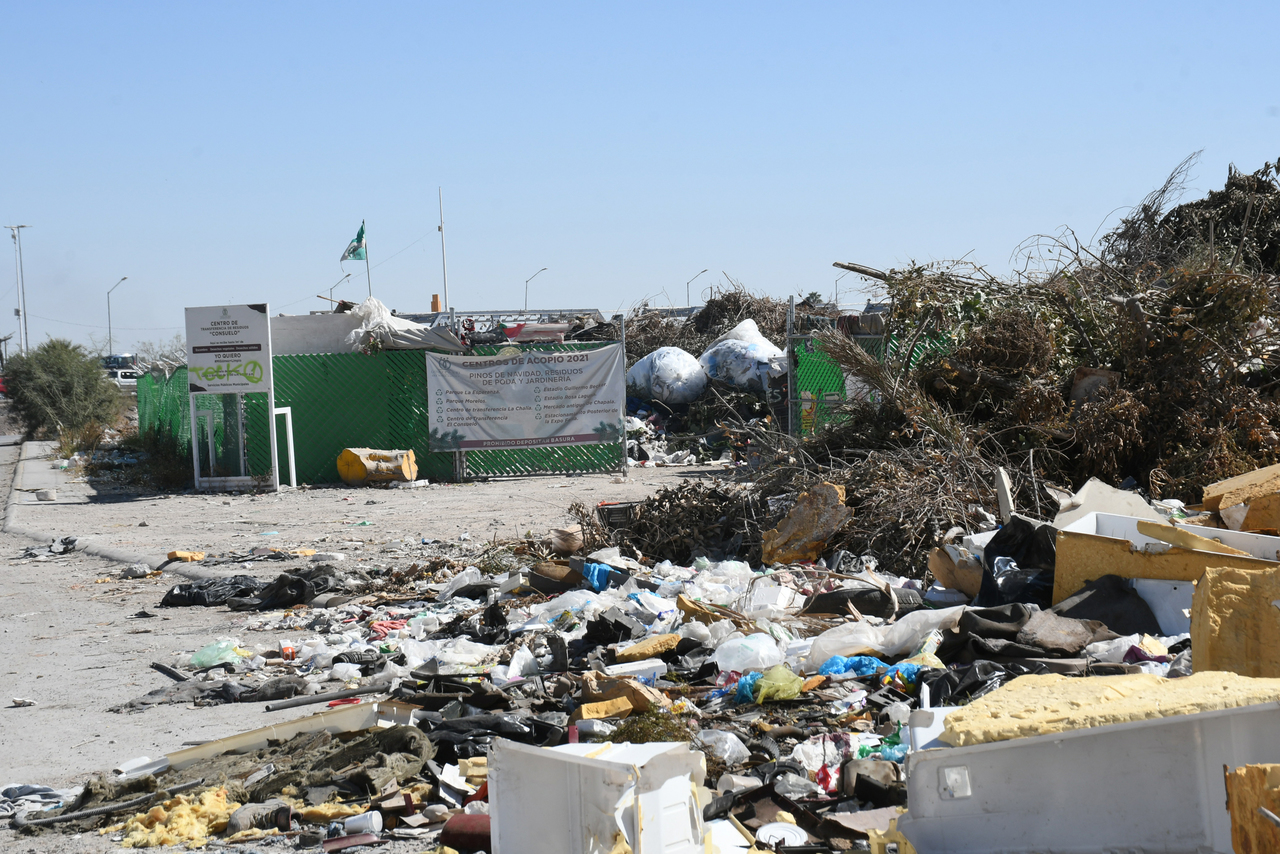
(668, 374)
(744, 358)
(470, 575)
(794, 786)
(862, 638)
(753, 652)
(345, 672)
(723, 745)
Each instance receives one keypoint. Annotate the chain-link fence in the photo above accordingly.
(821, 386)
(164, 412)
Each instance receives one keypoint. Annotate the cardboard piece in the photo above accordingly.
(964, 575)
(802, 535)
(597, 687)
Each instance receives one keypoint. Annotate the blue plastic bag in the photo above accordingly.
(746, 687)
(858, 665)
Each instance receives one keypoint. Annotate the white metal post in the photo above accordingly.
(195, 438)
(208, 414)
(287, 412)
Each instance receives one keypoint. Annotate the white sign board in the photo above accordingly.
(229, 348)
(533, 399)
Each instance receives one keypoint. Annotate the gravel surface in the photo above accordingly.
(73, 644)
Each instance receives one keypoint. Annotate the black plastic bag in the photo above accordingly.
(960, 686)
(211, 591)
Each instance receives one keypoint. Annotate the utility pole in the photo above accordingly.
(24, 338)
(443, 260)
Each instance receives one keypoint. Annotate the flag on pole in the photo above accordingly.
(355, 249)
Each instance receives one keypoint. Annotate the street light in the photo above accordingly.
(21, 311)
(110, 347)
(526, 289)
(835, 295)
(687, 301)
(335, 284)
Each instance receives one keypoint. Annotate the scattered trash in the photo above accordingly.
(757, 660)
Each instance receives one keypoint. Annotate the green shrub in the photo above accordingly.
(59, 386)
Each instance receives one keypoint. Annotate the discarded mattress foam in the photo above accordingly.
(1051, 703)
(1248, 788)
(1235, 624)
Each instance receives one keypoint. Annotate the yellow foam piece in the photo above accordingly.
(1052, 703)
(325, 813)
(1235, 624)
(181, 820)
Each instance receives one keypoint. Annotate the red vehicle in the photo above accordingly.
(4, 385)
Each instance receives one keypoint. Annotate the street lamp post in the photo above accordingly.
(835, 294)
(526, 289)
(335, 284)
(688, 303)
(23, 339)
(110, 346)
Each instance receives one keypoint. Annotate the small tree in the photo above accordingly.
(173, 350)
(60, 386)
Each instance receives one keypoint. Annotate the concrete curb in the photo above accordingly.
(11, 526)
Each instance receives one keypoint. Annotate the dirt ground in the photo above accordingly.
(328, 517)
(73, 644)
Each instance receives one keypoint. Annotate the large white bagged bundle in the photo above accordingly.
(668, 374)
(889, 641)
(744, 357)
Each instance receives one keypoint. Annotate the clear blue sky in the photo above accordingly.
(226, 152)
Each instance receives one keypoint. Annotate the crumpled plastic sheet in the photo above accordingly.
(24, 797)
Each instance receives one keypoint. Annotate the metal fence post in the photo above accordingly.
(791, 368)
(622, 324)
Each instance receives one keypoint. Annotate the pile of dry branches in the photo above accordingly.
(1173, 315)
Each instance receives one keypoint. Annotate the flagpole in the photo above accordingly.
(368, 280)
(444, 261)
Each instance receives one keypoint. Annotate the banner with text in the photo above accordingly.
(229, 348)
(533, 399)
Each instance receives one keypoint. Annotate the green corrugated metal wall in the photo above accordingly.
(343, 400)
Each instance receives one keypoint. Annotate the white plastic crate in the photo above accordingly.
(577, 798)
